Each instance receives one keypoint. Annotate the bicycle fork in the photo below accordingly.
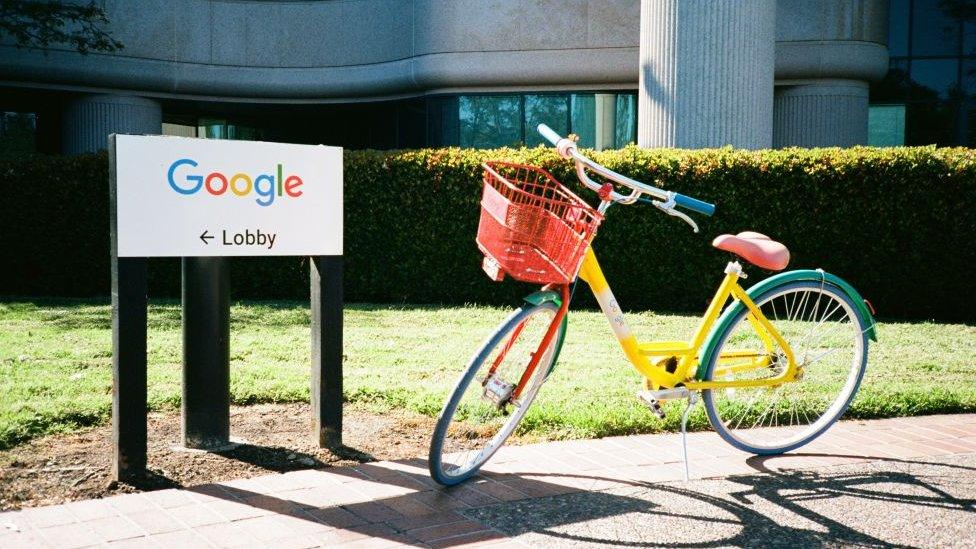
(504, 395)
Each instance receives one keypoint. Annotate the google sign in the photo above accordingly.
(265, 186)
(186, 197)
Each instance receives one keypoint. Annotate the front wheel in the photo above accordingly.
(479, 414)
(826, 333)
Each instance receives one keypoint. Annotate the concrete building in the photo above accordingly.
(482, 73)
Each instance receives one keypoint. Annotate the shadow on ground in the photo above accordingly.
(861, 504)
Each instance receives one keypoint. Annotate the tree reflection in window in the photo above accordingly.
(551, 110)
(490, 121)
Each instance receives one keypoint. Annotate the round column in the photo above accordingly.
(828, 113)
(90, 119)
(706, 73)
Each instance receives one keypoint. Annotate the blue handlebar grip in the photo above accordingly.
(547, 132)
(694, 204)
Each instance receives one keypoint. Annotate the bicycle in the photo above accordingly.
(758, 358)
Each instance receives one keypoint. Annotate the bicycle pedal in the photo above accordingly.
(652, 404)
(498, 392)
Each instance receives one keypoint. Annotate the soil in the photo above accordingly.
(274, 438)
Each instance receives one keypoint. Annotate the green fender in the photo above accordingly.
(540, 297)
(782, 278)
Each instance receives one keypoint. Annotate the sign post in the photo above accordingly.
(205, 407)
(129, 391)
(205, 200)
(326, 293)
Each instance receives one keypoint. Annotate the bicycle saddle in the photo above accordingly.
(756, 248)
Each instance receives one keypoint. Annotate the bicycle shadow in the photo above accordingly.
(395, 500)
(769, 508)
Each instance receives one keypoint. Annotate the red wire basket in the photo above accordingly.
(532, 227)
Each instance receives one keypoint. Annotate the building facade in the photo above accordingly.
(483, 73)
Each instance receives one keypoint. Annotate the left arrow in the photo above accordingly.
(205, 237)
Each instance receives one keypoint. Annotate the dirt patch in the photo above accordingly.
(61, 468)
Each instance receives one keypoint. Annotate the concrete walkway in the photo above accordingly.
(900, 481)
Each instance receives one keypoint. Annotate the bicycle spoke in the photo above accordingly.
(819, 327)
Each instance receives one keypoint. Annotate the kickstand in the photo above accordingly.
(692, 400)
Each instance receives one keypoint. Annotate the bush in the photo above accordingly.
(895, 222)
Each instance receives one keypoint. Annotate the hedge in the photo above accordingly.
(898, 223)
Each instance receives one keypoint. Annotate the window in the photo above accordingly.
(551, 110)
(605, 120)
(18, 134)
(490, 121)
(215, 128)
(935, 27)
(935, 79)
(886, 125)
(898, 28)
(930, 88)
(584, 118)
(626, 107)
(601, 120)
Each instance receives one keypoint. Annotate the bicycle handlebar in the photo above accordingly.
(568, 149)
(549, 134)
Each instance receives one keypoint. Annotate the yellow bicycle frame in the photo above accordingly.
(649, 359)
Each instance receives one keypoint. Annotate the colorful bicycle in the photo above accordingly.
(775, 365)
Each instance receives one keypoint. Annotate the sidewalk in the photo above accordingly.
(564, 489)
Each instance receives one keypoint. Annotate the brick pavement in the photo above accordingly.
(395, 503)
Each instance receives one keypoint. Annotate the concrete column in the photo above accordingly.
(706, 73)
(89, 120)
(825, 113)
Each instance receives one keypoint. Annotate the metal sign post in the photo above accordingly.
(203, 200)
(326, 293)
(205, 407)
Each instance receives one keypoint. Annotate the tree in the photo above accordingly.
(36, 24)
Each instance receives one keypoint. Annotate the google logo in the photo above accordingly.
(266, 186)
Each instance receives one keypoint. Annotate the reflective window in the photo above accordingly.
(626, 130)
(930, 124)
(886, 125)
(898, 28)
(936, 27)
(490, 121)
(895, 85)
(605, 120)
(969, 78)
(969, 33)
(552, 110)
(935, 78)
(216, 128)
(600, 120)
(18, 134)
(583, 109)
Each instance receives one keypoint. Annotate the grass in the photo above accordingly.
(55, 365)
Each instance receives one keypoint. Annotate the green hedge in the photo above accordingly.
(897, 223)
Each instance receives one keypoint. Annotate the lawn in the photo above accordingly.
(55, 365)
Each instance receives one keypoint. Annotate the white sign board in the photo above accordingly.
(180, 197)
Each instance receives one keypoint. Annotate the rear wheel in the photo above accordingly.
(826, 333)
(479, 415)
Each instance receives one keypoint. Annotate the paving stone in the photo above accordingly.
(433, 533)
(180, 539)
(42, 517)
(69, 536)
(90, 509)
(114, 528)
(195, 515)
(155, 522)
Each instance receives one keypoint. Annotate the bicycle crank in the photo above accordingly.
(655, 399)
